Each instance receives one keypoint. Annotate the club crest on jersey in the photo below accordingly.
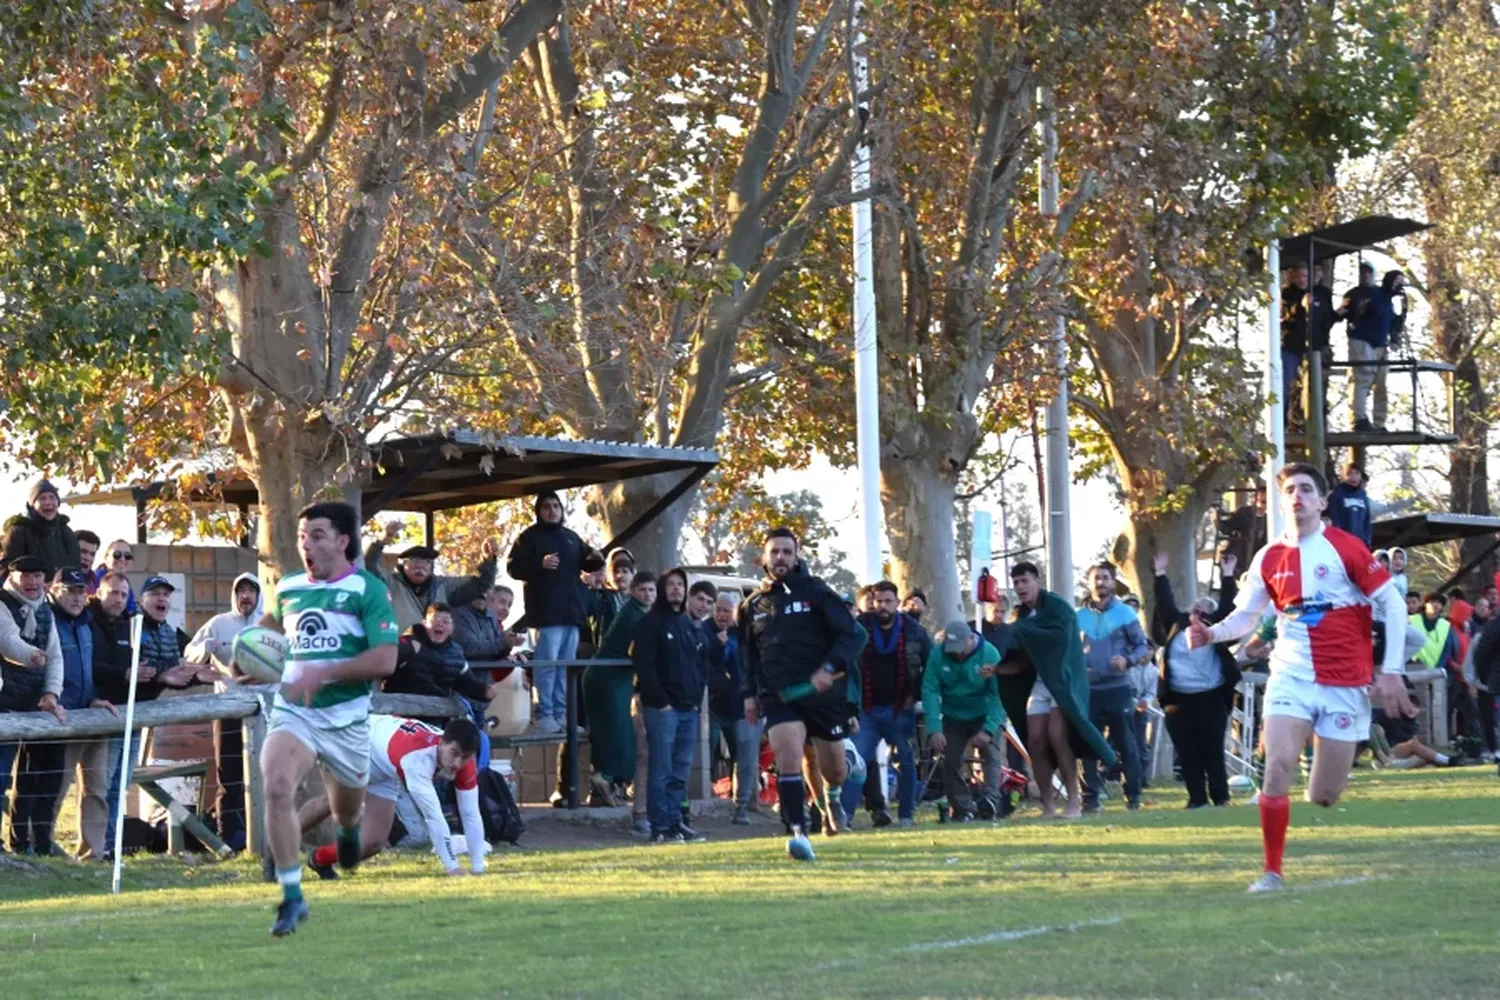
(1322, 571)
(312, 634)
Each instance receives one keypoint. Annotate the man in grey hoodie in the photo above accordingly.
(214, 646)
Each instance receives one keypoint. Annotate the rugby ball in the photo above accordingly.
(1241, 783)
(260, 653)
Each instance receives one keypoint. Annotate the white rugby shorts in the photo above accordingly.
(1336, 713)
(344, 752)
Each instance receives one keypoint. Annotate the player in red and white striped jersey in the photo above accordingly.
(407, 754)
(1324, 585)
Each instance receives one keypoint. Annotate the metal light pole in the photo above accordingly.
(1275, 412)
(1059, 535)
(866, 376)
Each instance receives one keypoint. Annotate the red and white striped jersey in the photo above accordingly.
(395, 741)
(1322, 588)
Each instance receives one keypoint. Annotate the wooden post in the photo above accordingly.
(255, 738)
(705, 773)
(570, 681)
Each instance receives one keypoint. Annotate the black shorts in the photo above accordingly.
(1398, 728)
(823, 721)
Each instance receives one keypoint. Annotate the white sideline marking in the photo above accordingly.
(994, 937)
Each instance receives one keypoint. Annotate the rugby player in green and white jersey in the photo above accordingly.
(341, 634)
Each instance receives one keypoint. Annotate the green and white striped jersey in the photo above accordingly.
(329, 622)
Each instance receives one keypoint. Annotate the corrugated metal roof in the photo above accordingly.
(431, 472)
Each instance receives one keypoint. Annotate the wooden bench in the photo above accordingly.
(178, 815)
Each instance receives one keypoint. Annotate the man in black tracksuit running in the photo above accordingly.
(798, 645)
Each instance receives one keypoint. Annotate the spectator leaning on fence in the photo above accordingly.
(42, 532)
(111, 628)
(162, 643)
(429, 661)
(414, 586)
(213, 646)
(31, 679)
(548, 558)
(479, 626)
(75, 635)
(961, 700)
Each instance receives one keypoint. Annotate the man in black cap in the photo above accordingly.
(75, 635)
(42, 532)
(163, 645)
(414, 586)
(548, 558)
(31, 678)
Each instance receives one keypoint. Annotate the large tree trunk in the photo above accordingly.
(1468, 470)
(1173, 532)
(1468, 460)
(919, 519)
(617, 506)
(274, 388)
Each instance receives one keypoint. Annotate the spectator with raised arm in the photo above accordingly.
(414, 585)
(1196, 686)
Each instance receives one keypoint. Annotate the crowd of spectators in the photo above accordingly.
(1040, 693)
(1374, 315)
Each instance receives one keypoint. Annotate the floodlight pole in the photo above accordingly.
(1275, 411)
(1059, 535)
(866, 375)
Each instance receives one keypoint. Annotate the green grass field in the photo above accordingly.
(1394, 894)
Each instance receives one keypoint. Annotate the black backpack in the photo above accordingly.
(497, 808)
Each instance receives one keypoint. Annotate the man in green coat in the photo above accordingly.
(1046, 630)
(962, 702)
(606, 696)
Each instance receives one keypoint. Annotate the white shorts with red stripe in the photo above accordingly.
(1336, 713)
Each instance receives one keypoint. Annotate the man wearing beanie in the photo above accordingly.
(42, 532)
(548, 558)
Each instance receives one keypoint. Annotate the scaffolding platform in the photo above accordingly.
(1375, 439)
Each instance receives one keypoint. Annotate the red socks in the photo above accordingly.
(1275, 814)
(329, 853)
